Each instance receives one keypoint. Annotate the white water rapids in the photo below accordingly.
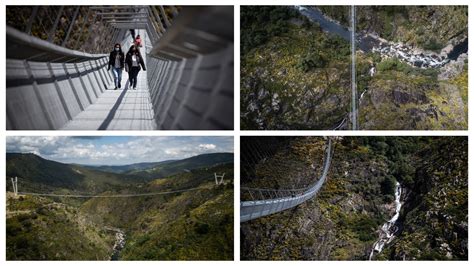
(388, 230)
(119, 243)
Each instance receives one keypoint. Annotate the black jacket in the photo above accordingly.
(112, 59)
(128, 61)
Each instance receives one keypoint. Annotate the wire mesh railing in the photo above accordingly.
(258, 202)
(91, 29)
(280, 167)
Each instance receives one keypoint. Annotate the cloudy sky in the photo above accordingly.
(117, 150)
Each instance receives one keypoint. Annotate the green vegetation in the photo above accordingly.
(41, 229)
(260, 23)
(343, 220)
(190, 225)
(427, 27)
(394, 64)
(435, 217)
(86, 32)
(403, 97)
(295, 79)
(400, 96)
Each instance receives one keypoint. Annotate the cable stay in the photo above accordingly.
(110, 196)
(15, 191)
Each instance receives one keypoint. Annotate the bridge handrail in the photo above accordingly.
(21, 38)
(259, 208)
(200, 38)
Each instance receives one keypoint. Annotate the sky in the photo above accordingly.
(118, 150)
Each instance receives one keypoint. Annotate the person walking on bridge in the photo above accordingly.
(116, 61)
(138, 42)
(133, 61)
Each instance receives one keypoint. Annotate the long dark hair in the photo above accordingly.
(120, 47)
(136, 52)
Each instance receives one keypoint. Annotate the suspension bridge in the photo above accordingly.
(264, 202)
(85, 195)
(57, 59)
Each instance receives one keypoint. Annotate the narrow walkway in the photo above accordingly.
(121, 109)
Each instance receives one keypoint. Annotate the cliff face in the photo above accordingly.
(427, 27)
(295, 74)
(342, 222)
(402, 96)
(435, 219)
(395, 100)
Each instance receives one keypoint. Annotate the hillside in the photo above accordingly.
(344, 220)
(198, 222)
(193, 225)
(411, 67)
(119, 169)
(293, 74)
(41, 229)
(40, 175)
(173, 167)
(37, 174)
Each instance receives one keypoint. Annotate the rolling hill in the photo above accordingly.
(39, 175)
(193, 224)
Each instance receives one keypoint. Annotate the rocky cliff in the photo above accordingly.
(343, 221)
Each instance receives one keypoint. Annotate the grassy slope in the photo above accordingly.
(430, 104)
(37, 174)
(312, 99)
(190, 225)
(174, 167)
(41, 229)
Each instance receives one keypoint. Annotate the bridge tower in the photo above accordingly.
(219, 181)
(15, 185)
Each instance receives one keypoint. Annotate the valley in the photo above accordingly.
(384, 198)
(171, 210)
(411, 67)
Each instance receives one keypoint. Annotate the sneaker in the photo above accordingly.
(115, 88)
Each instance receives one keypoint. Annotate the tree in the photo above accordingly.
(388, 185)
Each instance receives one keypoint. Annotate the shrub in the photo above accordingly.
(312, 61)
(388, 185)
(202, 228)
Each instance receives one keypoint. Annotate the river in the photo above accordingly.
(415, 57)
(119, 243)
(388, 230)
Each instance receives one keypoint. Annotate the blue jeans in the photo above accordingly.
(117, 76)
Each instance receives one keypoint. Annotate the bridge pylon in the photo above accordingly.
(219, 181)
(15, 185)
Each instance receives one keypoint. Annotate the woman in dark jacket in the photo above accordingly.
(116, 60)
(133, 61)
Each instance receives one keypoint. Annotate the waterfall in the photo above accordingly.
(388, 230)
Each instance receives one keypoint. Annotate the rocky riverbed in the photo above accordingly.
(119, 243)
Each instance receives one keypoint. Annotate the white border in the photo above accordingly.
(236, 132)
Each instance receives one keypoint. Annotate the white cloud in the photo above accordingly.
(117, 150)
(207, 146)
